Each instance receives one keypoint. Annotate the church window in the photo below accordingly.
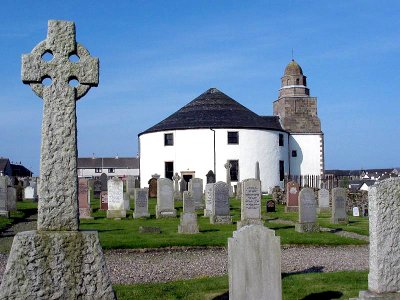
(294, 153)
(297, 81)
(288, 82)
(234, 170)
(280, 139)
(233, 137)
(169, 169)
(111, 170)
(281, 170)
(168, 139)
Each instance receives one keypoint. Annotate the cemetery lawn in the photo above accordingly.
(24, 209)
(124, 234)
(338, 285)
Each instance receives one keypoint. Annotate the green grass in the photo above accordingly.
(24, 210)
(339, 285)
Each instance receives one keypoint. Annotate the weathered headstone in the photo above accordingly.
(97, 188)
(152, 188)
(3, 197)
(292, 196)
(130, 185)
(210, 177)
(165, 199)
(30, 193)
(323, 201)
(11, 198)
(271, 205)
(73, 265)
(307, 212)
(254, 264)
(104, 182)
(228, 167)
(84, 199)
(183, 186)
(208, 194)
(104, 200)
(277, 194)
(116, 206)
(141, 204)
(251, 203)
(239, 191)
(220, 213)
(384, 241)
(177, 194)
(356, 212)
(127, 201)
(188, 220)
(339, 215)
(196, 188)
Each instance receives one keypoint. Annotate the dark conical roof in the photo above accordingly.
(214, 109)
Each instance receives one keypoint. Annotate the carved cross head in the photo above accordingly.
(60, 45)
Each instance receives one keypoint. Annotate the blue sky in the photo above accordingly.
(156, 56)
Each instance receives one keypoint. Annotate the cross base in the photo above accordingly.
(56, 265)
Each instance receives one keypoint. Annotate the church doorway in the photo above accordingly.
(187, 175)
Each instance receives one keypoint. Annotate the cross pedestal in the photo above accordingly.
(57, 261)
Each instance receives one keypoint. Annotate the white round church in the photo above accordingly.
(214, 128)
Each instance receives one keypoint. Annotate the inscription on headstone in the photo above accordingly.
(141, 203)
(292, 196)
(307, 212)
(104, 200)
(116, 207)
(220, 212)
(251, 203)
(209, 194)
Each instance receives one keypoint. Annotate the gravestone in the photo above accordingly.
(271, 206)
(116, 205)
(30, 193)
(292, 196)
(196, 188)
(323, 201)
(182, 185)
(130, 186)
(73, 266)
(251, 203)
(356, 212)
(188, 220)
(137, 183)
(127, 202)
(20, 192)
(152, 188)
(257, 172)
(84, 199)
(254, 264)
(307, 212)
(208, 194)
(239, 191)
(384, 241)
(11, 198)
(339, 215)
(210, 177)
(228, 167)
(104, 200)
(177, 194)
(141, 203)
(220, 213)
(97, 188)
(165, 199)
(3, 197)
(104, 182)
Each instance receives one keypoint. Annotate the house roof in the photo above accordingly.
(214, 109)
(20, 170)
(108, 162)
(3, 163)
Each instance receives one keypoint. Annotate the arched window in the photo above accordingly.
(287, 82)
(297, 81)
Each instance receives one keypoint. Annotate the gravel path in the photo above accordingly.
(137, 266)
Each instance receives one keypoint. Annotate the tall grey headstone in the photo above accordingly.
(323, 200)
(254, 264)
(257, 172)
(339, 215)
(384, 241)
(177, 194)
(141, 203)
(3, 197)
(130, 186)
(74, 263)
(188, 220)
(220, 213)
(251, 203)
(196, 188)
(116, 202)
(208, 195)
(307, 212)
(239, 191)
(11, 198)
(165, 199)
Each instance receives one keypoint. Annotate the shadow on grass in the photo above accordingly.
(284, 227)
(315, 269)
(224, 296)
(107, 230)
(209, 230)
(324, 296)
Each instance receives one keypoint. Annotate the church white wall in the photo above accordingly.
(309, 154)
(117, 172)
(193, 150)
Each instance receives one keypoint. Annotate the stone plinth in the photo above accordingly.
(56, 265)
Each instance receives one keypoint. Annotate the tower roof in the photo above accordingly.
(214, 109)
(293, 68)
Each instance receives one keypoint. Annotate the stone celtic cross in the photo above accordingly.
(228, 167)
(58, 202)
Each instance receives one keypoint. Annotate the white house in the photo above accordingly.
(92, 167)
(214, 128)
